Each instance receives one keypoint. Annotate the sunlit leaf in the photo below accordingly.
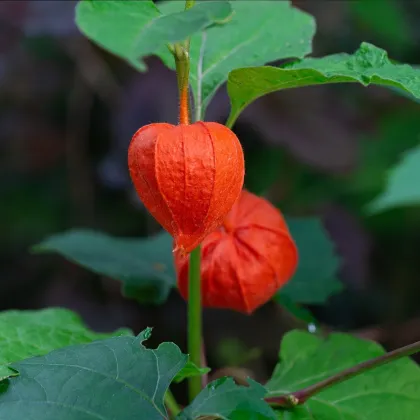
(368, 65)
(25, 334)
(389, 392)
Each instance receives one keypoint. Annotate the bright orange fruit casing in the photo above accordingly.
(187, 176)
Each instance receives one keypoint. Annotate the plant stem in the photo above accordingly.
(182, 63)
(171, 404)
(301, 396)
(194, 319)
(232, 119)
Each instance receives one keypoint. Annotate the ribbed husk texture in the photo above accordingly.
(246, 260)
(187, 176)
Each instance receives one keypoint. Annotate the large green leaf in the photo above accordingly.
(144, 266)
(134, 29)
(25, 334)
(388, 392)
(315, 279)
(225, 400)
(368, 65)
(403, 185)
(116, 378)
(259, 32)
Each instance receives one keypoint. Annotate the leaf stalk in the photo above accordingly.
(300, 397)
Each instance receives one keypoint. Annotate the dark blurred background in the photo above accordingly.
(67, 113)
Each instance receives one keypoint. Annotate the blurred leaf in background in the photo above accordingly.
(386, 20)
(144, 266)
(316, 277)
(403, 188)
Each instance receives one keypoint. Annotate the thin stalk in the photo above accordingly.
(171, 404)
(194, 319)
(301, 396)
(231, 120)
(182, 62)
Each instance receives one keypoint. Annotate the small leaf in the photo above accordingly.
(296, 310)
(403, 185)
(144, 266)
(25, 334)
(368, 65)
(109, 379)
(315, 279)
(134, 29)
(189, 370)
(388, 392)
(227, 401)
(259, 32)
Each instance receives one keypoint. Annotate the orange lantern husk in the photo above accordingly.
(246, 261)
(187, 176)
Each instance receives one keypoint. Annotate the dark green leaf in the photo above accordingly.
(190, 369)
(227, 401)
(388, 392)
(116, 378)
(259, 32)
(386, 19)
(315, 279)
(296, 310)
(25, 334)
(403, 185)
(396, 133)
(144, 266)
(369, 65)
(134, 29)
(263, 167)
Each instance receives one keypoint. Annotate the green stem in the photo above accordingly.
(232, 119)
(301, 396)
(171, 404)
(194, 319)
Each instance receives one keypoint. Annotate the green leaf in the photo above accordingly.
(403, 185)
(386, 19)
(109, 379)
(296, 310)
(144, 266)
(134, 29)
(396, 133)
(25, 334)
(227, 401)
(368, 65)
(116, 25)
(388, 392)
(259, 32)
(263, 167)
(315, 279)
(189, 370)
